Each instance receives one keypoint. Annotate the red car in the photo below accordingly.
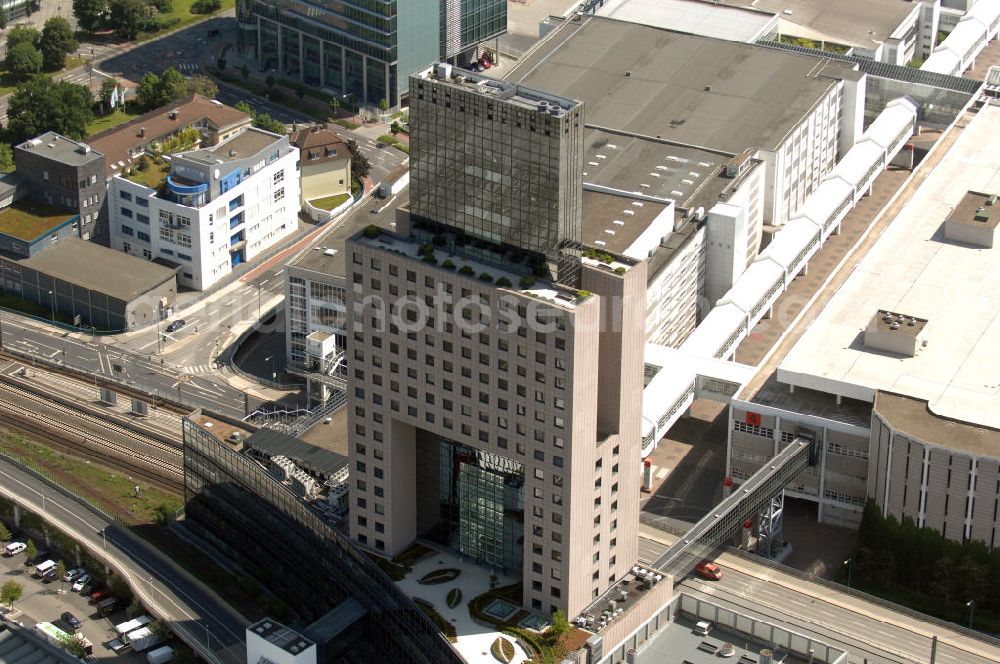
(97, 596)
(707, 570)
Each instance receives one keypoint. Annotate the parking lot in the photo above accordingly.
(46, 602)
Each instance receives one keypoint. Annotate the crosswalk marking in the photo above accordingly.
(199, 369)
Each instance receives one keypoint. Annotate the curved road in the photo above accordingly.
(198, 616)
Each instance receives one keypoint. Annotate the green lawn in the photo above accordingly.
(329, 202)
(152, 177)
(112, 490)
(28, 219)
(182, 12)
(117, 117)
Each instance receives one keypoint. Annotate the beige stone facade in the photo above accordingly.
(563, 403)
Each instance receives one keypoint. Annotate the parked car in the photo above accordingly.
(98, 595)
(81, 581)
(71, 621)
(87, 588)
(707, 570)
(176, 325)
(50, 576)
(14, 548)
(73, 573)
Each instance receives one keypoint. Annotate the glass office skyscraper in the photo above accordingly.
(365, 48)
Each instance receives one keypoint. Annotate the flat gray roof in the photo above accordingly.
(317, 257)
(846, 22)
(606, 226)
(283, 637)
(913, 417)
(89, 265)
(59, 148)
(699, 17)
(976, 210)
(677, 642)
(683, 88)
(650, 167)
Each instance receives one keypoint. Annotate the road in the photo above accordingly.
(143, 373)
(866, 630)
(166, 590)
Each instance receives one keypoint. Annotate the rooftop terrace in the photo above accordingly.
(28, 219)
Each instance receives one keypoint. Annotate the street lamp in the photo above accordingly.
(850, 568)
(270, 363)
(52, 302)
(972, 610)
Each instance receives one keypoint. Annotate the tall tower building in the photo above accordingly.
(491, 410)
(499, 163)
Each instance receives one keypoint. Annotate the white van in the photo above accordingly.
(14, 548)
(702, 628)
(43, 568)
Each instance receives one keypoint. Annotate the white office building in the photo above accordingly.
(211, 209)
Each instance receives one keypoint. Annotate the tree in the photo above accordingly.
(23, 60)
(383, 105)
(20, 34)
(4, 533)
(395, 127)
(221, 63)
(174, 86)
(269, 81)
(61, 573)
(90, 14)
(560, 625)
(334, 106)
(359, 163)
(57, 40)
(267, 123)
(300, 93)
(202, 85)
(3, 18)
(74, 645)
(244, 107)
(108, 87)
(10, 592)
(148, 91)
(30, 549)
(128, 17)
(943, 578)
(245, 71)
(41, 105)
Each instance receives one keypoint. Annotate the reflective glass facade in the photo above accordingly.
(367, 48)
(231, 501)
(482, 493)
(499, 168)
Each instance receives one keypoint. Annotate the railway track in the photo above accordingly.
(145, 457)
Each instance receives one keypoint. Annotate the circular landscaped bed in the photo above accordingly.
(502, 650)
(440, 576)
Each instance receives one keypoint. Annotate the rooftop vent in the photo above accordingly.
(232, 152)
(83, 148)
(894, 333)
(628, 74)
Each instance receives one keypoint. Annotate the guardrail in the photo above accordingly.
(144, 591)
